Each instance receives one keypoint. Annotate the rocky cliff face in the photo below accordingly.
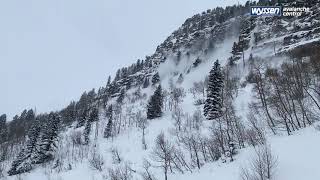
(201, 35)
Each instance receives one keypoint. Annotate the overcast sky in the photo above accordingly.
(53, 50)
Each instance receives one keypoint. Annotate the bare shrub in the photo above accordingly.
(142, 124)
(121, 173)
(255, 135)
(317, 127)
(199, 102)
(262, 167)
(176, 96)
(58, 165)
(162, 153)
(192, 142)
(96, 161)
(177, 115)
(76, 137)
(116, 158)
(147, 174)
(197, 119)
(213, 149)
(198, 88)
(2, 169)
(19, 177)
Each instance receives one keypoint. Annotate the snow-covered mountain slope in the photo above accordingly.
(297, 158)
(246, 47)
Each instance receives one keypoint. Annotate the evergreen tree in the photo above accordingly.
(146, 83)
(33, 135)
(113, 88)
(19, 165)
(82, 108)
(28, 120)
(69, 113)
(154, 108)
(87, 131)
(178, 59)
(213, 103)
(127, 82)
(109, 81)
(25, 159)
(235, 49)
(118, 75)
(91, 96)
(3, 128)
(48, 139)
(155, 79)
(94, 114)
(30, 116)
(139, 65)
(108, 129)
(83, 117)
(121, 97)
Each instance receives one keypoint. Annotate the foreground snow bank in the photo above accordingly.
(298, 157)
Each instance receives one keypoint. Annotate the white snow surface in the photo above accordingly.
(297, 155)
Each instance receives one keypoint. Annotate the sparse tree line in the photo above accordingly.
(288, 97)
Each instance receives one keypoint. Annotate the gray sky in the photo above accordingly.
(53, 50)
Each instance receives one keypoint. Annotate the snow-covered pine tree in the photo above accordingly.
(91, 96)
(108, 129)
(33, 136)
(213, 103)
(94, 114)
(3, 128)
(91, 117)
(155, 79)
(25, 159)
(146, 83)
(235, 48)
(114, 87)
(82, 108)
(69, 113)
(109, 81)
(154, 108)
(121, 96)
(86, 133)
(118, 75)
(19, 165)
(48, 139)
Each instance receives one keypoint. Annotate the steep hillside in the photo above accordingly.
(261, 121)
